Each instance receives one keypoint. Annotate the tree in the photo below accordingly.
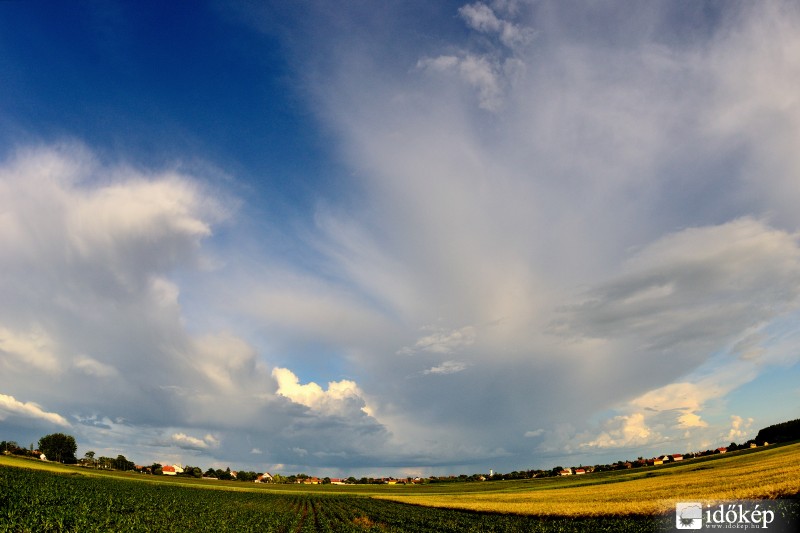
(88, 458)
(122, 463)
(192, 471)
(59, 447)
(248, 475)
(783, 432)
(9, 446)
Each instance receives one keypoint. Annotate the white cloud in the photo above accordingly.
(223, 359)
(593, 175)
(32, 348)
(740, 429)
(187, 442)
(692, 293)
(624, 431)
(442, 341)
(491, 73)
(623, 222)
(338, 398)
(487, 75)
(448, 367)
(483, 18)
(10, 406)
(93, 367)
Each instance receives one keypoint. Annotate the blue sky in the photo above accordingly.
(398, 237)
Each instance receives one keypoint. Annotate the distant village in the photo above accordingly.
(656, 461)
(121, 463)
(61, 448)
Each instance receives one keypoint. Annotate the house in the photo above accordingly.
(721, 450)
(567, 472)
(337, 481)
(266, 477)
(579, 471)
(171, 470)
(657, 461)
(677, 457)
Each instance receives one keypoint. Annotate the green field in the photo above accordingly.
(36, 496)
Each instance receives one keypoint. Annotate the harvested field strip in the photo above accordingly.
(769, 473)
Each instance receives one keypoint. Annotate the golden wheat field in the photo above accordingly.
(768, 473)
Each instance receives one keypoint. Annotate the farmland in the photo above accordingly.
(42, 501)
(756, 474)
(36, 496)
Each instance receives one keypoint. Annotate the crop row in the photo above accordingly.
(37, 501)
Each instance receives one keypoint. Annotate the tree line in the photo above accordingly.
(59, 447)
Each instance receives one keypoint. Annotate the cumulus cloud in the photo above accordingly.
(10, 406)
(622, 222)
(187, 442)
(339, 397)
(95, 296)
(740, 429)
(592, 219)
(623, 431)
(87, 262)
(491, 71)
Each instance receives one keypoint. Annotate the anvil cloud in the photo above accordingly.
(400, 237)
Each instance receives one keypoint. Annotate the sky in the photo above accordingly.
(398, 237)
